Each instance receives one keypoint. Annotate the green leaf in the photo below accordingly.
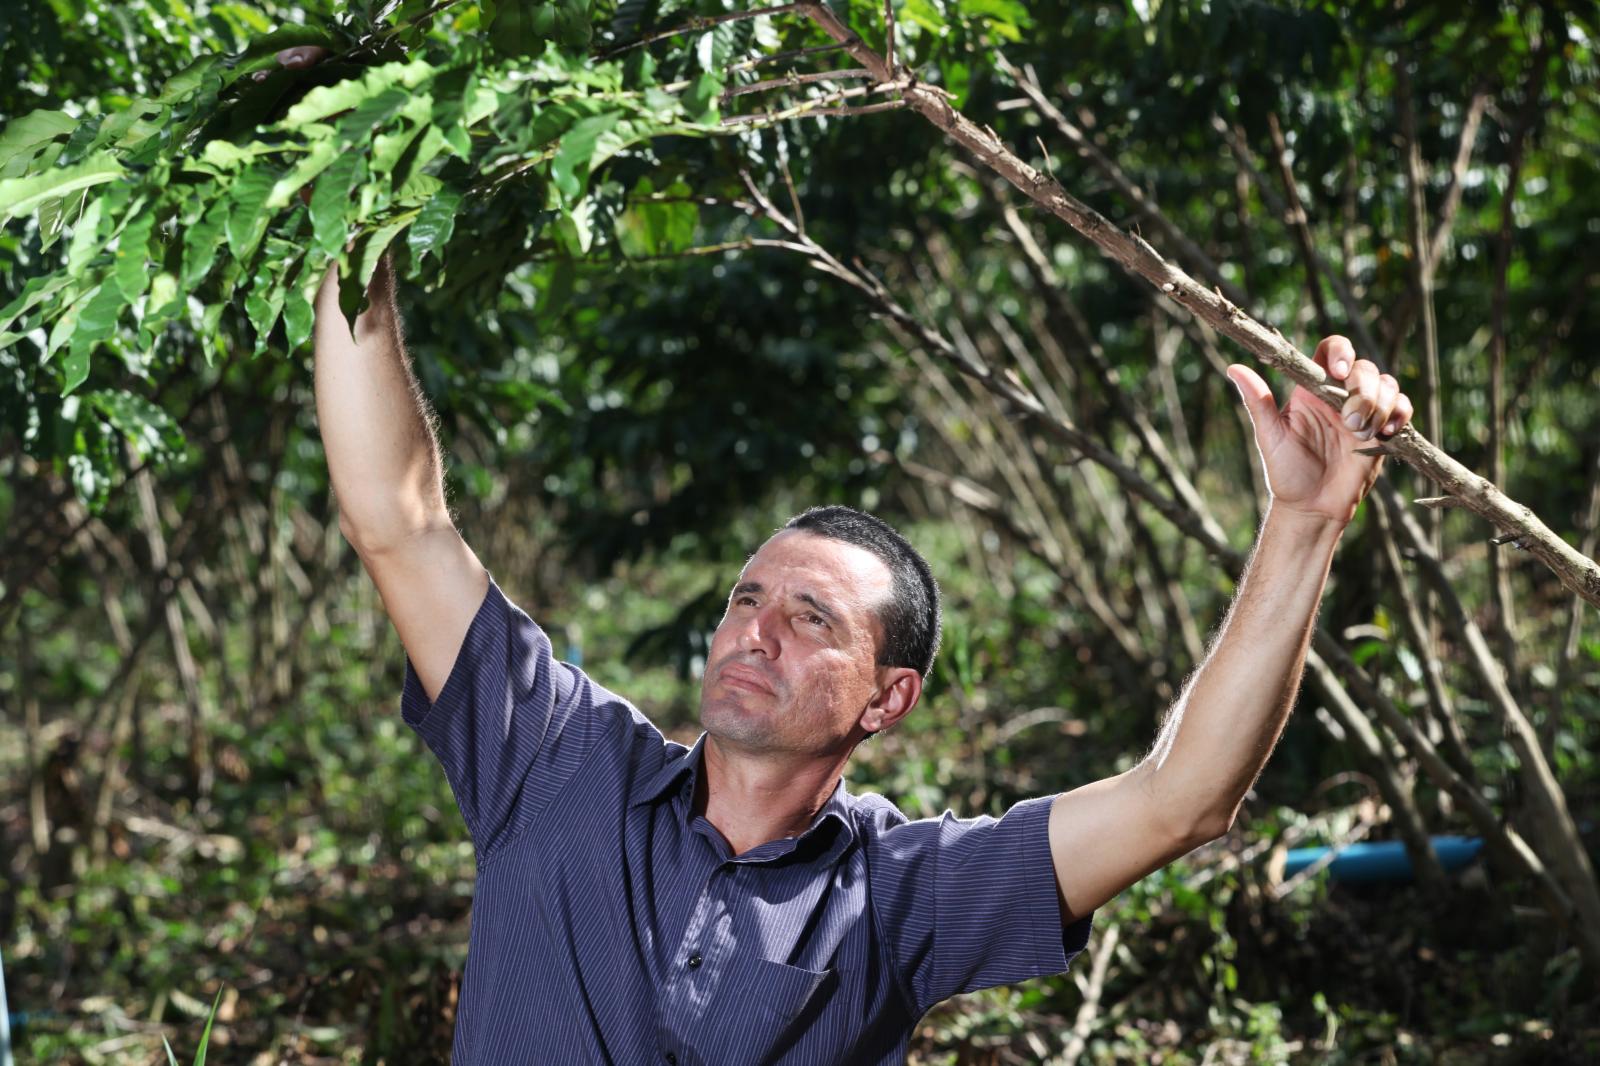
(88, 235)
(387, 148)
(511, 27)
(363, 257)
(132, 252)
(378, 243)
(435, 224)
(186, 81)
(650, 227)
(322, 155)
(75, 367)
(263, 309)
(205, 1037)
(263, 306)
(574, 230)
(95, 323)
(299, 313)
(570, 168)
(200, 244)
(699, 101)
(567, 23)
(247, 213)
(19, 196)
(32, 294)
(53, 214)
(27, 133)
(172, 1060)
(417, 191)
(164, 305)
(222, 156)
(421, 152)
(391, 82)
(330, 202)
(149, 428)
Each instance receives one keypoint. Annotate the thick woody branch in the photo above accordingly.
(1578, 572)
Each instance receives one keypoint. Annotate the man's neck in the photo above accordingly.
(751, 799)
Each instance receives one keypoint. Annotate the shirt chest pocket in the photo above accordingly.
(762, 1007)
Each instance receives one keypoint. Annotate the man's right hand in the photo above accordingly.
(296, 58)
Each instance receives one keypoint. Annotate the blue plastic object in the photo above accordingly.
(1383, 863)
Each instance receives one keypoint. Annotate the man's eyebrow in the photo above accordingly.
(817, 605)
(756, 588)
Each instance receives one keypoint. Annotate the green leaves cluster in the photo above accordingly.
(238, 184)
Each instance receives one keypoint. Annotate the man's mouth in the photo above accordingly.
(745, 677)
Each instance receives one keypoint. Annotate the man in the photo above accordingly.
(730, 903)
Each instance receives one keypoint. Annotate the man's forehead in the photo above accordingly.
(802, 554)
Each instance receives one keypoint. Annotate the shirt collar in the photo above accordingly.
(675, 766)
(689, 762)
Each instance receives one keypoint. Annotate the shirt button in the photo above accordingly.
(695, 961)
(672, 1060)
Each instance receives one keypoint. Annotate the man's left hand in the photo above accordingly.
(1308, 448)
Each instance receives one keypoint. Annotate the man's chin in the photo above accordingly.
(735, 723)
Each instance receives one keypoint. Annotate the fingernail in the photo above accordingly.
(1341, 368)
(1354, 421)
(1364, 433)
(1391, 426)
(259, 75)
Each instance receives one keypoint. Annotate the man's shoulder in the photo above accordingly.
(874, 814)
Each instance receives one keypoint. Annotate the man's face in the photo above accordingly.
(794, 661)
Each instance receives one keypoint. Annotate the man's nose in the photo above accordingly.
(758, 634)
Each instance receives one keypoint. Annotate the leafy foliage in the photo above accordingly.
(148, 219)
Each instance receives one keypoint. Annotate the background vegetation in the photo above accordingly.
(613, 299)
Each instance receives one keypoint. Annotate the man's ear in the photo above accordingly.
(899, 689)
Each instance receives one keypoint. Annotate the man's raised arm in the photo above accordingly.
(1217, 736)
(387, 474)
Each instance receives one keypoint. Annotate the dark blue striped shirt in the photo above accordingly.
(612, 925)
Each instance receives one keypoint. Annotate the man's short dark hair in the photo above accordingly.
(911, 617)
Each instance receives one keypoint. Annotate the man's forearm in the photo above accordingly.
(383, 457)
(1219, 733)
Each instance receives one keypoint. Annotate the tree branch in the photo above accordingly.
(1576, 571)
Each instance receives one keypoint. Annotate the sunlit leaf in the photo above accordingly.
(19, 196)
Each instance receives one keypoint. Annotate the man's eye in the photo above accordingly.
(815, 619)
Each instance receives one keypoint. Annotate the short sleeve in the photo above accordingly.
(970, 903)
(512, 725)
